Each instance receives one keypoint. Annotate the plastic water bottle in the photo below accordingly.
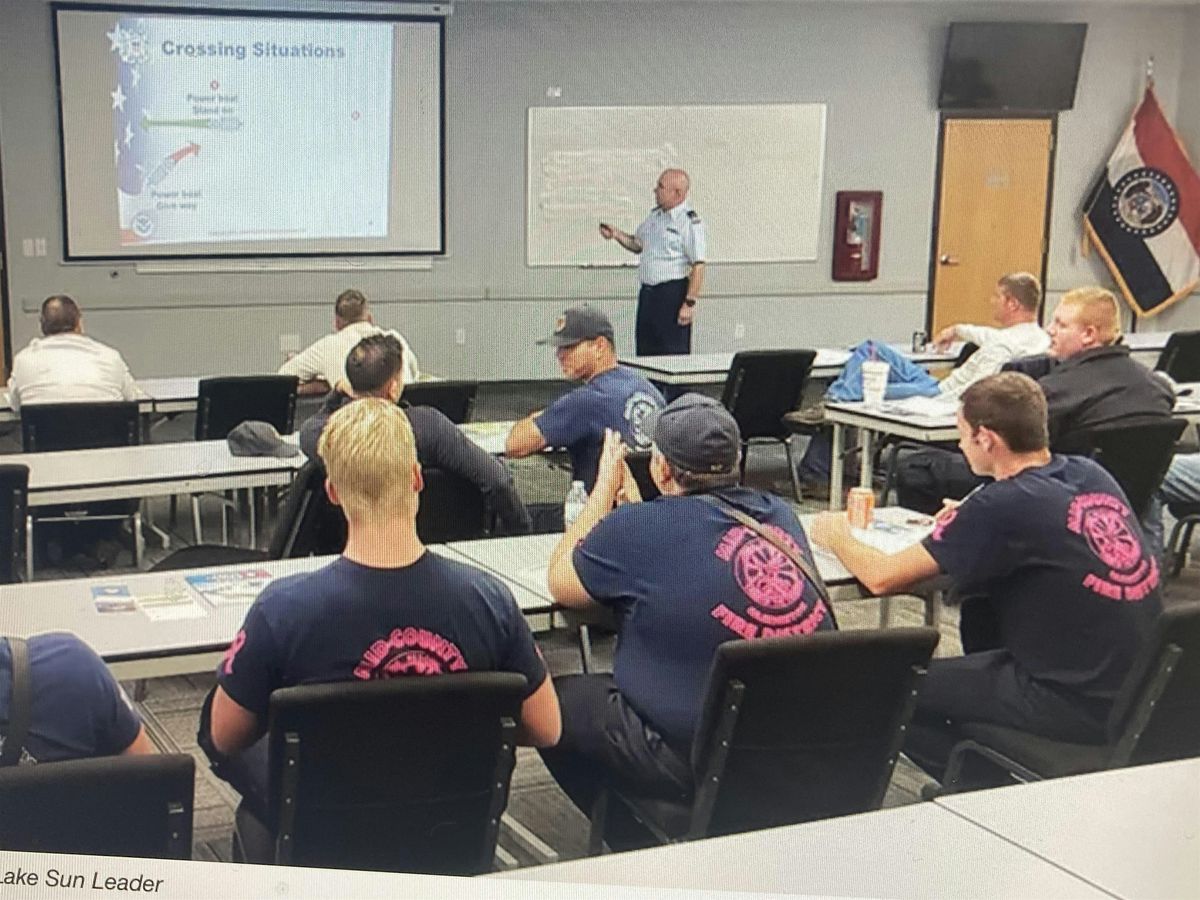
(576, 498)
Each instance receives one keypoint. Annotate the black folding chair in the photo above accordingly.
(109, 806)
(1180, 358)
(451, 509)
(1137, 456)
(15, 535)
(770, 752)
(761, 387)
(454, 399)
(400, 775)
(1155, 717)
(48, 427)
(300, 531)
(225, 403)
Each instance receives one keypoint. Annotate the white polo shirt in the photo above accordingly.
(69, 368)
(672, 242)
(326, 359)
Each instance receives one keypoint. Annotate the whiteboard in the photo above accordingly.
(756, 178)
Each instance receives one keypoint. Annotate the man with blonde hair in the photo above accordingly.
(385, 608)
(1089, 381)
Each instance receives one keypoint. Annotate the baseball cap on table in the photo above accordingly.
(258, 439)
(698, 434)
(579, 323)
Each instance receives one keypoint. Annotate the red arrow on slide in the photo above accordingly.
(186, 150)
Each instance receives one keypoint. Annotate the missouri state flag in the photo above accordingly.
(1143, 215)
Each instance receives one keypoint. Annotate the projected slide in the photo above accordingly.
(235, 131)
(205, 147)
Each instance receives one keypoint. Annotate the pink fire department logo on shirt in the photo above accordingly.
(409, 651)
(1104, 523)
(772, 583)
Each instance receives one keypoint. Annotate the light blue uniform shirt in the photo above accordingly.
(672, 242)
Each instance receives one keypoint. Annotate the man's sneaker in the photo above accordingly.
(806, 417)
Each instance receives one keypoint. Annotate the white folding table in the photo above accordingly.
(1134, 832)
(712, 368)
(134, 645)
(914, 851)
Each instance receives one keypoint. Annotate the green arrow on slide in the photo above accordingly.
(148, 123)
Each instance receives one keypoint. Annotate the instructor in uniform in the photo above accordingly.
(671, 245)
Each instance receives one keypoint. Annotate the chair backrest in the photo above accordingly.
(818, 727)
(1166, 726)
(639, 464)
(110, 806)
(14, 498)
(967, 350)
(404, 775)
(1138, 456)
(225, 403)
(1181, 357)
(762, 385)
(309, 524)
(454, 399)
(451, 509)
(79, 426)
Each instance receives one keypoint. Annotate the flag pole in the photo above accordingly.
(1133, 318)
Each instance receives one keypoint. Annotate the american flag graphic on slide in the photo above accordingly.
(1143, 215)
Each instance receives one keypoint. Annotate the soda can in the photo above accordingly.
(860, 507)
(919, 340)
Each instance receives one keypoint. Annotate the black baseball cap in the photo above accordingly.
(580, 323)
(697, 434)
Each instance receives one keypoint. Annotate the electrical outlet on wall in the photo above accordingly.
(739, 331)
(289, 344)
(460, 336)
(39, 247)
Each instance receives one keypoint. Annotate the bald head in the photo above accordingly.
(60, 315)
(672, 188)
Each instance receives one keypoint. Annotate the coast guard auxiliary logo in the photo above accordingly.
(1145, 202)
(638, 409)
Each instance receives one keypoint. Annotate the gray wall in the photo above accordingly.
(875, 65)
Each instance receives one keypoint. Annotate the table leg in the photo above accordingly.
(837, 466)
(866, 441)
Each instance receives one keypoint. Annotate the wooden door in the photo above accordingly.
(992, 215)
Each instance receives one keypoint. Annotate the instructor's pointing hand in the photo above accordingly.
(607, 231)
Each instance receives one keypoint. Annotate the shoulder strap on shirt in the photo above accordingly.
(814, 577)
(20, 705)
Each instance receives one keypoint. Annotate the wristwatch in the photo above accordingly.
(689, 301)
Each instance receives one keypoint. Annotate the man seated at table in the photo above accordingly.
(386, 608)
(77, 710)
(611, 396)
(66, 366)
(1014, 304)
(1089, 381)
(375, 368)
(321, 366)
(683, 575)
(1062, 590)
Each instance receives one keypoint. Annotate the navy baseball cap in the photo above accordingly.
(697, 434)
(580, 323)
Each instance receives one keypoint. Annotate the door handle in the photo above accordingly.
(947, 260)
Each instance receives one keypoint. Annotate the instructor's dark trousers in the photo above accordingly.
(658, 332)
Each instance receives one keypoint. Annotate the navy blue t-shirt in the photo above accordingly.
(1069, 576)
(79, 710)
(685, 577)
(619, 399)
(347, 621)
